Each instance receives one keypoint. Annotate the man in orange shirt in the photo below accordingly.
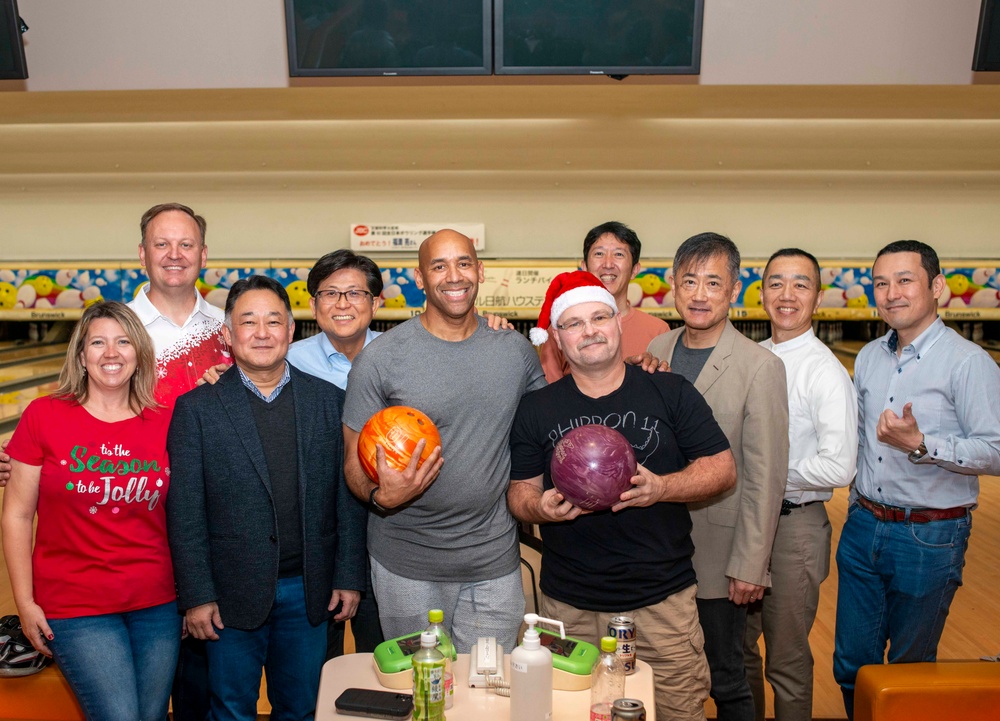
(611, 252)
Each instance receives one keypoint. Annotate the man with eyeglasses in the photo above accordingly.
(637, 556)
(345, 291)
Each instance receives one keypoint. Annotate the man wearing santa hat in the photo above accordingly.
(636, 556)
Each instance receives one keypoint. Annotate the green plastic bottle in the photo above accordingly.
(435, 618)
(428, 680)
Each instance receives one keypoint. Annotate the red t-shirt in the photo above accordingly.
(101, 540)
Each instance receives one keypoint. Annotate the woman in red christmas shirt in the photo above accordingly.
(97, 592)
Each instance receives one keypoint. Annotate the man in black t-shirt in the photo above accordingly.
(635, 557)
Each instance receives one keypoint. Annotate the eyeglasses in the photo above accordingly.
(575, 327)
(354, 297)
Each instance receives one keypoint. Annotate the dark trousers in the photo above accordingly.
(190, 691)
(724, 624)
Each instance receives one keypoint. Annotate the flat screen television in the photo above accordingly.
(987, 55)
(597, 37)
(389, 37)
(12, 63)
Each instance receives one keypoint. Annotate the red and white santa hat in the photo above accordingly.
(565, 291)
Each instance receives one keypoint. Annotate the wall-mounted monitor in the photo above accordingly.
(389, 37)
(987, 55)
(597, 37)
(12, 63)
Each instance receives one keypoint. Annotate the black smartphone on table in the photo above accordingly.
(374, 704)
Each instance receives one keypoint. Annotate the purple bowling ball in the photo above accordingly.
(592, 466)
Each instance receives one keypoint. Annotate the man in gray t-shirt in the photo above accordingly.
(440, 536)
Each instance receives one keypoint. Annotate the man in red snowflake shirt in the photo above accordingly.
(186, 329)
(187, 334)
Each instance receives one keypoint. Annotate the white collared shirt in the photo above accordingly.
(183, 352)
(164, 332)
(822, 419)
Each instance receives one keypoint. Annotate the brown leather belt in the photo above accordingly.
(917, 515)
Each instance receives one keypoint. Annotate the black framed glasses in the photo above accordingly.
(354, 296)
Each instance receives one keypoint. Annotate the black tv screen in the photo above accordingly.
(987, 55)
(597, 37)
(12, 63)
(388, 37)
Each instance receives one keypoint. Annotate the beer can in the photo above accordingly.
(622, 629)
(628, 709)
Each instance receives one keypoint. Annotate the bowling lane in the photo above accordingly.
(13, 403)
(37, 374)
(12, 353)
(846, 351)
(22, 375)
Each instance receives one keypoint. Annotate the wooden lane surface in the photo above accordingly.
(968, 633)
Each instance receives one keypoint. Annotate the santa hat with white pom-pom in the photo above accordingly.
(565, 291)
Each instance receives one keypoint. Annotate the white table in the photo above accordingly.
(471, 704)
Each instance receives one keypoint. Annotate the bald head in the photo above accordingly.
(444, 243)
(449, 273)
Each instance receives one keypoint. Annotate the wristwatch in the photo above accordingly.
(382, 509)
(919, 453)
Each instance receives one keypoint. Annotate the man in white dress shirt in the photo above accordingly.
(823, 444)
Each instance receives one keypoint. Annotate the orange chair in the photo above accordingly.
(44, 696)
(942, 691)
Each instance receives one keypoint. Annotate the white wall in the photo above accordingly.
(840, 222)
(139, 44)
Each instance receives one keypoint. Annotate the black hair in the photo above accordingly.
(255, 282)
(795, 253)
(701, 247)
(339, 260)
(928, 256)
(621, 231)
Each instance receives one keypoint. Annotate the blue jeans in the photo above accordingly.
(120, 665)
(896, 582)
(287, 647)
(724, 625)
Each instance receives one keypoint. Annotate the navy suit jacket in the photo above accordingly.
(221, 518)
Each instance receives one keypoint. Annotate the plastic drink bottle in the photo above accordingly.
(447, 648)
(428, 680)
(531, 675)
(607, 680)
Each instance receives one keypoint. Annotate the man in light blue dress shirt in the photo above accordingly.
(929, 425)
(345, 290)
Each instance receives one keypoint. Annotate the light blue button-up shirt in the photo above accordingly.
(286, 376)
(317, 357)
(954, 386)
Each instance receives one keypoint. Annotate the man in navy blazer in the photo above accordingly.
(266, 539)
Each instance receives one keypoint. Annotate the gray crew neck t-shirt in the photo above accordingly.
(460, 528)
(688, 362)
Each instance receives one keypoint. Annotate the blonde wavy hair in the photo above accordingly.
(73, 381)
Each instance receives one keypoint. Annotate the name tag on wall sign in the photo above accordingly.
(396, 237)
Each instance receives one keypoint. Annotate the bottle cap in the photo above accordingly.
(609, 644)
(435, 615)
(428, 640)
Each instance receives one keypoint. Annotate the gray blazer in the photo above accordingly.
(744, 385)
(221, 519)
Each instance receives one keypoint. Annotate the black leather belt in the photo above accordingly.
(787, 506)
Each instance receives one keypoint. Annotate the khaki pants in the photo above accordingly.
(800, 561)
(668, 638)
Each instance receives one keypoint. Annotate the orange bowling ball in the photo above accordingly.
(397, 429)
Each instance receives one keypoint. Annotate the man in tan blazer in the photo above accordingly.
(745, 387)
